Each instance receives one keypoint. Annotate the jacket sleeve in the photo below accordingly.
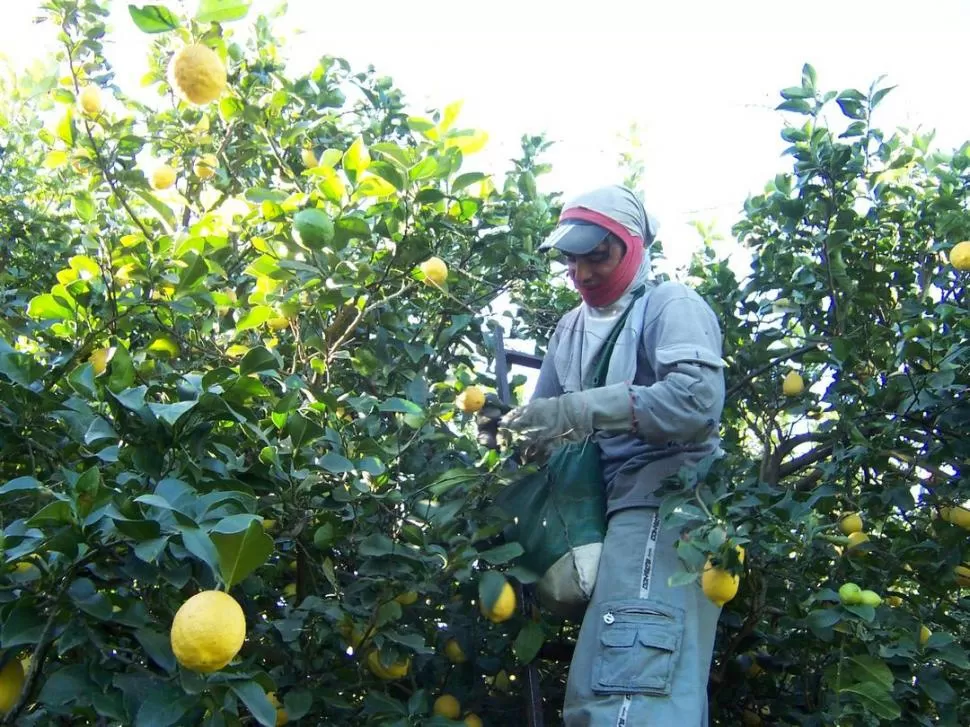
(548, 386)
(683, 345)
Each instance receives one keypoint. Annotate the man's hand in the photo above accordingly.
(487, 419)
(545, 424)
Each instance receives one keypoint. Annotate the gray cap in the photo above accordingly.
(588, 218)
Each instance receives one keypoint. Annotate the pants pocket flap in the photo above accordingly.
(619, 635)
(656, 638)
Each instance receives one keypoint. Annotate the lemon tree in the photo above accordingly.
(249, 377)
(237, 486)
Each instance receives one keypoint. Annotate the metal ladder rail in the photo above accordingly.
(527, 598)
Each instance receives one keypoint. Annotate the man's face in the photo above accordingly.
(591, 270)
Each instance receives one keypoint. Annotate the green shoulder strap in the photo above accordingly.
(599, 375)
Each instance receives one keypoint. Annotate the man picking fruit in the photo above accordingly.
(644, 649)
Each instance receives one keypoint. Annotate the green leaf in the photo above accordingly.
(55, 512)
(682, 578)
(20, 483)
(297, 703)
(375, 545)
(936, 687)
(23, 625)
(171, 413)
(257, 360)
(86, 597)
(389, 173)
(502, 553)
(463, 180)
(45, 307)
(121, 374)
(158, 646)
(222, 11)
(823, 618)
(872, 669)
(402, 406)
(255, 317)
(67, 128)
(335, 463)
(153, 18)
(256, 701)
(199, 544)
(490, 587)
(528, 642)
(192, 273)
(163, 707)
(424, 169)
(875, 699)
(241, 553)
(160, 207)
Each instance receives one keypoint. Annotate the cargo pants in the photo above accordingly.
(644, 650)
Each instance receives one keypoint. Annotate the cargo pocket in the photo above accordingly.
(639, 646)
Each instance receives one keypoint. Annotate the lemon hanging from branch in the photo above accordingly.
(208, 631)
(197, 74)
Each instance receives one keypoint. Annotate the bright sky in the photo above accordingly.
(700, 79)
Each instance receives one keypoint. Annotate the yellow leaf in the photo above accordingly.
(67, 275)
(357, 158)
(450, 114)
(329, 158)
(373, 186)
(467, 142)
(55, 159)
(332, 185)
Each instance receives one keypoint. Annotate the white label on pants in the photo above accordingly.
(624, 711)
(647, 572)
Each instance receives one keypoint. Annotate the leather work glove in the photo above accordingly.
(545, 424)
(487, 419)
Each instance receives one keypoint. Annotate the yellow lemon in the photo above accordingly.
(99, 360)
(960, 255)
(957, 515)
(454, 652)
(281, 716)
(435, 271)
(90, 101)
(850, 524)
(278, 323)
(309, 158)
(11, 684)
(793, 384)
(197, 74)
(395, 671)
(446, 706)
(163, 177)
(504, 606)
(719, 585)
(924, 634)
(962, 575)
(471, 400)
(857, 538)
(208, 631)
(473, 720)
(407, 598)
(205, 166)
